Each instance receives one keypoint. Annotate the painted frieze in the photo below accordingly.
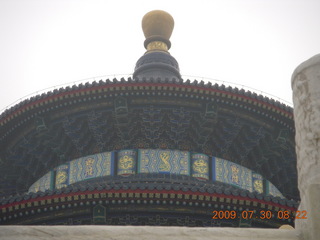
(163, 161)
(91, 166)
(231, 173)
(200, 166)
(257, 182)
(272, 190)
(126, 162)
(44, 183)
(62, 176)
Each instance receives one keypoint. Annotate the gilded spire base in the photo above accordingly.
(157, 46)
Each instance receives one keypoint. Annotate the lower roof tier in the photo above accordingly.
(149, 199)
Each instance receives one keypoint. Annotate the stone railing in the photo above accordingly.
(306, 99)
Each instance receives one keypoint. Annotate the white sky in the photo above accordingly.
(256, 43)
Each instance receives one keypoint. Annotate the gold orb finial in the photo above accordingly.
(157, 27)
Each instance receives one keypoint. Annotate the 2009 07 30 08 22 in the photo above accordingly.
(250, 214)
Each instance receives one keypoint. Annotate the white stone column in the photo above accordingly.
(306, 99)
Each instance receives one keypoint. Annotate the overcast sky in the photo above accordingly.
(256, 43)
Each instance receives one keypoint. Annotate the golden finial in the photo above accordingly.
(157, 27)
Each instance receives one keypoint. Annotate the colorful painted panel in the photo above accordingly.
(272, 190)
(34, 187)
(62, 176)
(163, 161)
(92, 166)
(231, 173)
(44, 183)
(126, 162)
(200, 166)
(257, 182)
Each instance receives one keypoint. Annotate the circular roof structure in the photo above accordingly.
(87, 132)
(243, 127)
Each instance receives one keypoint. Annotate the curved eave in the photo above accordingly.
(161, 183)
(220, 198)
(174, 85)
(196, 197)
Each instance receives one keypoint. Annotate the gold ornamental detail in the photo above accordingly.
(200, 166)
(157, 46)
(89, 167)
(258, 185)
(61, 177)
(235, 174)
(165, 165)
(126, 162)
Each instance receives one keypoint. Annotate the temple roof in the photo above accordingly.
(40, 133)
(65, 147)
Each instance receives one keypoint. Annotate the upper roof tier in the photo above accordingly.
(254, 131)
